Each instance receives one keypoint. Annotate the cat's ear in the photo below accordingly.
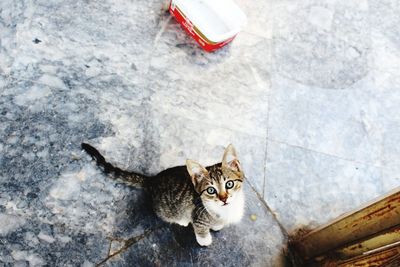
(196, 171)
(230, 160)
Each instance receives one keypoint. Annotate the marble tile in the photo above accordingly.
(386, 76)
(307, 188)
(125, 77)
(208, 87)
(97, 38)
(353, 124)
(391, 176)
(64, 211)
(340, 123)
(322, 43)
(390, 152)
(260, 16)
(11, 14)
(384, 17)
(44, 191)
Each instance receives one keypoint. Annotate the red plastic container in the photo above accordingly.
(212, 23)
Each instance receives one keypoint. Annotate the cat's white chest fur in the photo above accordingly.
(231, 213)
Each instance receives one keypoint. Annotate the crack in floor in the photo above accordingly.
(127, 244)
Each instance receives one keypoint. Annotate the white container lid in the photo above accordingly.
(217, 20)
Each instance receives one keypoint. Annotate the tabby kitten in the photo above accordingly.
(209, 198)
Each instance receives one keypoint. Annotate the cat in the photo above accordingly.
(208, 198)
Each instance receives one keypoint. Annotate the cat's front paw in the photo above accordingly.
(183, 222)
(217, 227)
(204, 240)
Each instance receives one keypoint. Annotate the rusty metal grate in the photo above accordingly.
(368, 236)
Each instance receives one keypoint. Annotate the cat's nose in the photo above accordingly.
(223, 197)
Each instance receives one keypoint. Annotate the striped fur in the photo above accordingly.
(181, 194)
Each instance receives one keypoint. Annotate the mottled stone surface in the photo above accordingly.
(333, 125)
(125, 77)
(307, 188)
(322, 43)
(308, 93)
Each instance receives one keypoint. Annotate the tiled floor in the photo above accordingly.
(309, 94)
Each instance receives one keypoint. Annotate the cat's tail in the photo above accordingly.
(126, 177)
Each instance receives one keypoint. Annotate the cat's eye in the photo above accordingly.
(211, 190)
(229, 184)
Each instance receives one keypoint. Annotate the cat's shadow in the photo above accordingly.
(164, 244)
(139, 217)
(184, 236)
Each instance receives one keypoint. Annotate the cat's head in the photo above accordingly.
(218, 185)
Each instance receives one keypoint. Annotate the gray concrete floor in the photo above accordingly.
(308, 93)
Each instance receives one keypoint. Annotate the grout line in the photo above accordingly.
(326, 154)
(262, 200)
(261, 85)
(267, 136)
(265, 164)
(288, 250)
